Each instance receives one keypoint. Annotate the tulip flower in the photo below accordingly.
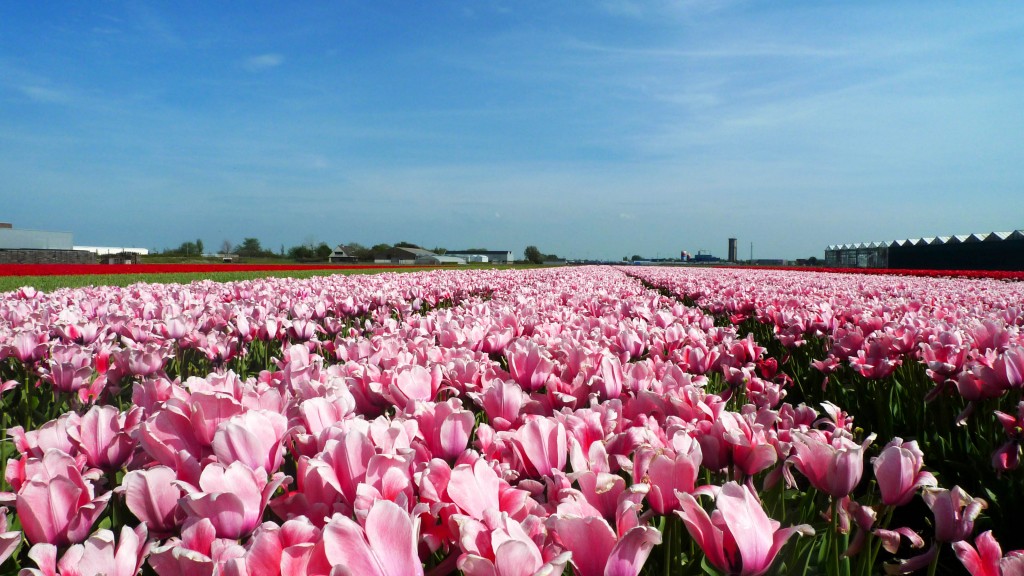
(540, 446)
(668, 472)
(527, 365)
(255, 438)
(1007, 456)
(97, 555)
(987, 559)
(954, 512)
(506, 550)
(199, 553)
(833, 466)
(898, 472)
(286, 549)
(738, 537)
(385, 546)
(598, 551)
(9, 540)
(104, 436)
(152, 497)
(55, 503)
(231, 497)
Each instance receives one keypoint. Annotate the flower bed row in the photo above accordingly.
(92, 269)
(484, 422)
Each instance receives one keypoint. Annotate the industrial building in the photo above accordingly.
(492, 256)
(985, 251)
(19, 246)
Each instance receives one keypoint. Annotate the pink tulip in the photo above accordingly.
(445, 427)
(669, 472)
(898, 472)
(255, 438)
(738, 537)
(170, 438)
(231, 497)
(199, 553)
(53, 435)
(385, 546)
(208, 410)
(540, 446)
(1007, 456)
(104, 436)
(506, 550)
(56, 504)
(988, 559)
(9, 540)
(475, 488)
(501, 402)
(833, 466)
(598, 551)
(527, 365)
(282, 550)
(68, 368)
(954, 512)
(97, 555)
(28, 346)
(152, 497)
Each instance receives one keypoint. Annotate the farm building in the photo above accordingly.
(403, 255)
(105, 250)
(435, 259)
(342, 253)
(985, 251)
(492, 256)
(39, 247)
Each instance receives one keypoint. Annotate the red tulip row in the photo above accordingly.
(485, 422)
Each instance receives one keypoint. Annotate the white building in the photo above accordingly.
(104, 250)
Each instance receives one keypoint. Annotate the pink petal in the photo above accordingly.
(631, 552)
(392, 537)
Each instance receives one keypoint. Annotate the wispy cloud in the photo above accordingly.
(44, 94)
(263, 62)
(727, 51)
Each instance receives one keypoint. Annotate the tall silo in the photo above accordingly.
(732, 250)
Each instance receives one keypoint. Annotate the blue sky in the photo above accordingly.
(589, 129)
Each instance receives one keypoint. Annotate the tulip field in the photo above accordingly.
(592, 420)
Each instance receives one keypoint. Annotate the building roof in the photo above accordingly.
(936, 241)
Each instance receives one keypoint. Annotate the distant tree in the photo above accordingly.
(625, 258)
(636, 257)
(199, 245)
(359, 251)
(250, 247)
(225, 247)
(813, 261)
(404, 244)
(300, 253)
(533, 255)
(379, 250)
(185, 249)
(323, 251)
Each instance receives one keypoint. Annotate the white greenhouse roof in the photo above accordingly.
(935, 241)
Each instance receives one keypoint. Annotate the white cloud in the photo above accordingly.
(263, 62)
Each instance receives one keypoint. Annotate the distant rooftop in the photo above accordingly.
(934, 241)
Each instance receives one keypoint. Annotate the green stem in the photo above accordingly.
(667, 540)
(934, 566)
(834, 538)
